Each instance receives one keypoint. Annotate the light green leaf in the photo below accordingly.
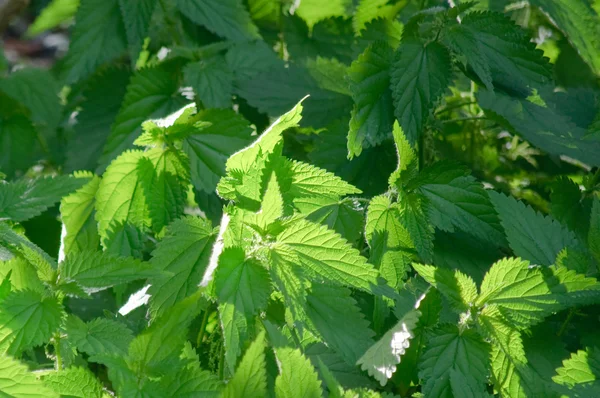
(344, 216)
(451, 350)
(250, 378)
(463, 203)
(308, 180)
(373, 114)
(212, 81)
(120, 196)
(313, 11)
(77, 214)
(151, 92)
(99, 336)
(369, 10)
(27, 319)
(124, 240)
(419, 76)
(27, 198)
(407, 159)
(329, 73)
(329, 307)
(457, 287)
(99, 270)
(74, 382)
(55, 13)
(98, 37)
(271, 207)
(580, 370)
(16, 381)
(218, 134)
(298, 378)
(324, 255)
(381, 358)
(242, 286)
(416, 222)
(531, 235)
(184, 252)
(227, 18)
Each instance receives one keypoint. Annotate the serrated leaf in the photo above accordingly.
(381, 358)
(298, 377)
(568, 207)
(99, 270)
(326, 256)
(313, 11)
(271, 207)
(74, 382)
(120, 196)
(99, 37)
(450, 350)
(373, 115)
(136, 18)
(250, 377)
(247, 60)
(457, 287)
(328, 307)
(184, 252)
(594, 231)
(344, 216)
(218, 134)
(212, 81)
(407, 159)
(531, 235)
(581, 369)
(308, 180)
(16, 381)
(77, 215)
(25, 199)
(328, 73)
(227, 18)
(416, 222)
(17, 138)
(124, 240)
(55, 13)
(27, 319)
(193, 381)
(99, 336)
(242, 286)
(369, 10)
(463, 203)
(151, 92)
(419, 76)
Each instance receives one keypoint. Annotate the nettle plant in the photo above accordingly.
(221, 233)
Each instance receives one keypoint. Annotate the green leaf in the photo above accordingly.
(99, 336)
(54, 14)
(247, 60)
(124, 240)
(100, 270)
(38, 91)
(74, 382)
(594, 231)
(407, 159)
(458, 288)
(324, 255)
(531, 235)
(250, 378)
(369, 10)
(193, 381)
(242, 286)
(103, 95)
(327, 73)
(373, 115)
(212, 81)
(16, 381)
(271, 207)
(308, 180)
(218, 134)
(580, 25)
(344, 216)
(313, 11)
(419, 76)
(381, 358)
(541, 125)
(17, 138)
(120, 196)
(416, 222)
(136, 18)
(568, 207)
(25, 199)
(184, 252)
(99, 37)
(298, 377)
(514, 63)
(77, 214)
(228, 18)
(27, 319)
(152, 92)
(462, 203)
(581, 369)
(330, 307)
(451, 350)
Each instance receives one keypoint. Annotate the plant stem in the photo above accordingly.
(454, 106)
(566, 322)
(202, 328)
(464, 119)
(59, 363)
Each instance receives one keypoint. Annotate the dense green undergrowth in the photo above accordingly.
(263, 198)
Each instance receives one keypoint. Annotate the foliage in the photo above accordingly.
(259, 198)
